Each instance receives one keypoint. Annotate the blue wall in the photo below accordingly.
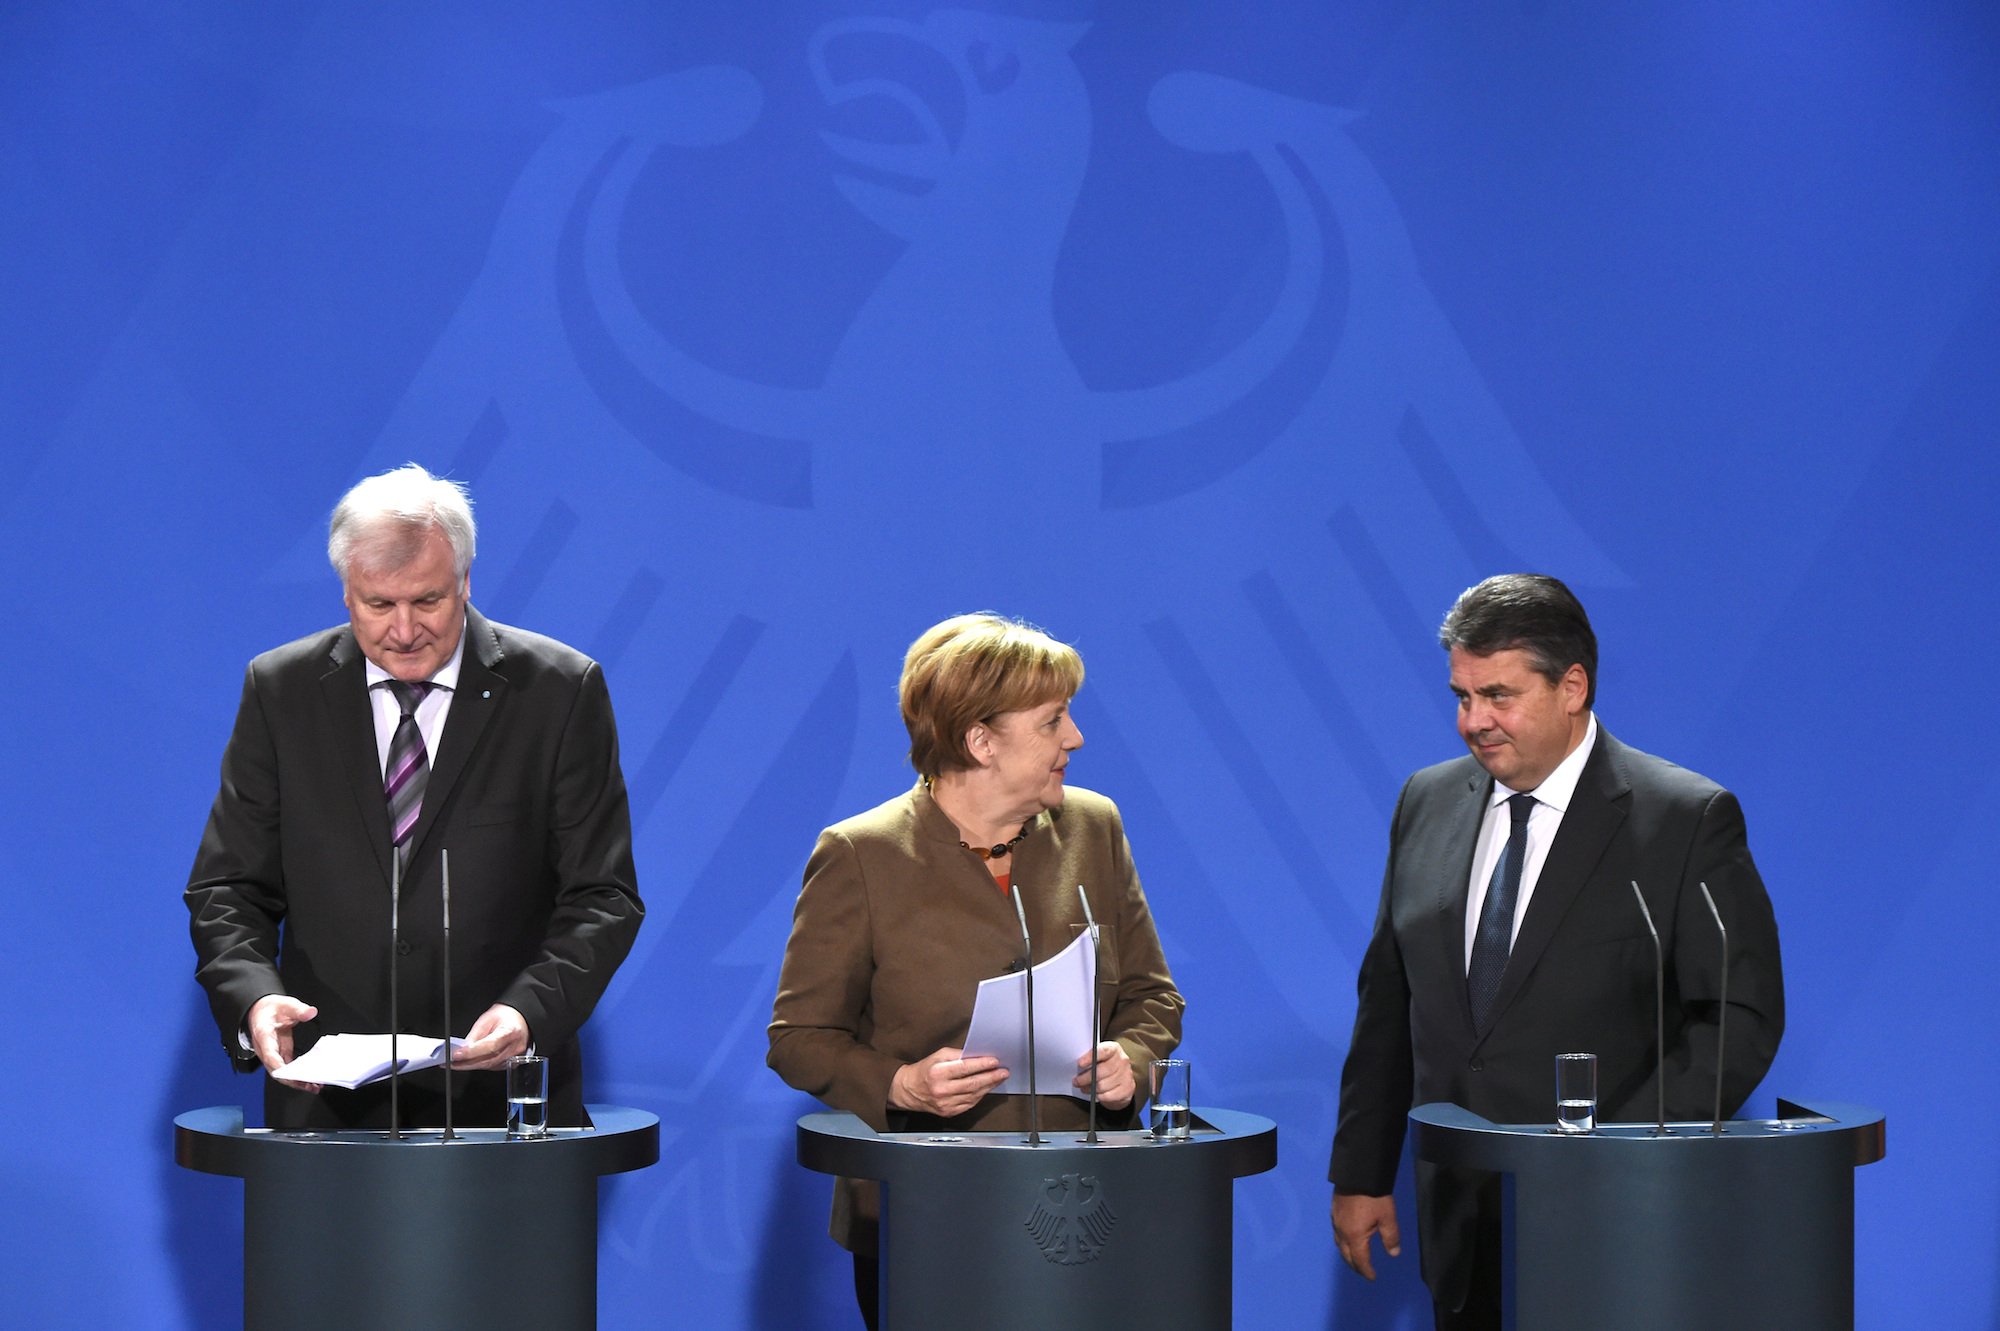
(1227, 341)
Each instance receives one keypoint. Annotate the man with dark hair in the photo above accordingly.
(1526, 610)
(1508, 934)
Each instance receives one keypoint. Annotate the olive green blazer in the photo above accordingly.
(896, 926)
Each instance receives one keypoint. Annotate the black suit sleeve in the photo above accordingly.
(1720, 857)
(236, 892)
(1379, 1078)
(597, 908)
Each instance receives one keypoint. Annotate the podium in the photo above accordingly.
(350, 1229)
(981, 1230)
(1623, 1230)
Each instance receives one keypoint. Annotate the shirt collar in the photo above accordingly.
(937, 823)
(446, 676)
(929, 816)
(1555, 791)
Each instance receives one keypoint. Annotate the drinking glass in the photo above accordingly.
(1170, 1114)
(1576, 1093)
(528, 1096)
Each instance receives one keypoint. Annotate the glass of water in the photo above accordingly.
(1576, 1093)
(1170, 1114)
(527, 1096)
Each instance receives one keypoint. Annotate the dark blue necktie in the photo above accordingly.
(1495, 938)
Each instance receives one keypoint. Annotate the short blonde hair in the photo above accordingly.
(970, 669)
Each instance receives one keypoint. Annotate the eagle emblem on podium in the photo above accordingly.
(1072, 1219)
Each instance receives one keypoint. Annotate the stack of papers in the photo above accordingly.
(349, 1061)
(1063, 986)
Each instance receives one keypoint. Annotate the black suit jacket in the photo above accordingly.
(1579, 978)
(290, 888)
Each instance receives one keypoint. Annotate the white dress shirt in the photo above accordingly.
(388, 713)
(431, 712)
(1552, 797)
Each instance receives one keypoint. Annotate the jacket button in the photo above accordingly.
(1476, 1065)
(403, 949)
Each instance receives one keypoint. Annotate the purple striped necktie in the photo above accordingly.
(409, 769)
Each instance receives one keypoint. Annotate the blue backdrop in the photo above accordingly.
(1228, 342)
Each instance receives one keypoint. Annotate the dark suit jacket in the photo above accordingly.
(1579, 978)
(290, 888)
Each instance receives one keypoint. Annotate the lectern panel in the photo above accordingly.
(1630, 1229)
(982, 1232)
(351, 1229)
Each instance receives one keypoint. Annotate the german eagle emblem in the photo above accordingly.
(1334, 443)
(1072, 1220)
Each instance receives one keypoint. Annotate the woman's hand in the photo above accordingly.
(946, 1084)
(1115, 1082)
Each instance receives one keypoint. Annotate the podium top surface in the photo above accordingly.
(214, 1141)
(839, 1143)
(1447, 1134)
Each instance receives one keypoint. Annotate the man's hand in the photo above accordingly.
(1355, 1217)
(498, 1035)
(271, 1020)
(946, 1084)
(1115, 1082)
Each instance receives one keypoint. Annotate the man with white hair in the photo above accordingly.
(417, 727)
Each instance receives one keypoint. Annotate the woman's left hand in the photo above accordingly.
(1115, 1083)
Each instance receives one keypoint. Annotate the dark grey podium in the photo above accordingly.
(1623, 1230)
(982, 1231)
(348, 1229)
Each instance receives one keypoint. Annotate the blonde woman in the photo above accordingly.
(906, 908)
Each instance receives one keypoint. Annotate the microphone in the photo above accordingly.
(395, 1016)
(1722, 1008)
(1028, 958)
(1659, 1014)
(1096, 1035)
(444, 859)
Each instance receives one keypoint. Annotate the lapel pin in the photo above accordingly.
(486, 693)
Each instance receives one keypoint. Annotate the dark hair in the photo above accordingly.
(1536, 614)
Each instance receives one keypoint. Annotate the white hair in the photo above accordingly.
(382, 522)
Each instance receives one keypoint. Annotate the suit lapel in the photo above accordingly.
(350, 716)
(1046, 903)
(1597, 809)
(473, 702)
(1454, 887)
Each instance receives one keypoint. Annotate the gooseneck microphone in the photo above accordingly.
(444, 860)
(395, 1014)
(1722, 1008)
(1096, 1035)
(1028, 961)
(1659, 1015)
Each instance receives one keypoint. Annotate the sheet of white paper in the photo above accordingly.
(999, 1029)
(350, 1060)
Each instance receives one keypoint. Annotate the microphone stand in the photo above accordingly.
(444, 860)
(1028, 949)
(1096, 1035)
(1659, 1015)
(395, 1015)
(1722, 1008)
